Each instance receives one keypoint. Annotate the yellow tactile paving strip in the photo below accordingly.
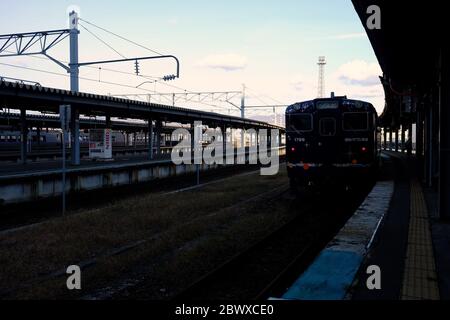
(419, 278)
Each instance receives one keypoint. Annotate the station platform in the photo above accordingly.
(397, 231)
(10, 170)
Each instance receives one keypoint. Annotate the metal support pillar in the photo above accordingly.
(73, 65)
(192, 132)
(23, 136)
(158, 136)
(419, 144)
(75, 128)
(243, 102)
(194, 147)
(74, 86)
(108, 122)
(396, 140)
(429, 145)
(38, 137)
(444, 147)
(390, 139)
(410, 139)
(385, 132)
(224, 138)
(150, 139)
(403, 138)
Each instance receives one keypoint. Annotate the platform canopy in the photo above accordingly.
(407, 47)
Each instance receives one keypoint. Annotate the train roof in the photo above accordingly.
(348, 104)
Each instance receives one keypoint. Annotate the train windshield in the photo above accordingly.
(327, 127)
(300, 122)
(356, 121)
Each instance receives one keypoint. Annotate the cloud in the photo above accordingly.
(172, 21)
(347, 36)
(359, 73)
(227, 62)
(298, 82)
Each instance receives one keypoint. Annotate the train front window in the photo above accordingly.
(356, 121)
(300, 122)
(327, 127)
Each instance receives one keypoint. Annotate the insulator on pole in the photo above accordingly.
(136, 65)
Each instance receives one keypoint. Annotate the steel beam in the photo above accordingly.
(24, 43)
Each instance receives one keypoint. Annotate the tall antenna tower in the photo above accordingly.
(321, 87)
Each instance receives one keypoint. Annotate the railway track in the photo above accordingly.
(86, 264)
(267, 268)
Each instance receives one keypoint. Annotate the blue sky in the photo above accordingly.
(271, 46)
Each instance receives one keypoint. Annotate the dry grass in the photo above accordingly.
(184, 229)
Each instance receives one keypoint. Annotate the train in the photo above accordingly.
(52, 138)
(331, 141)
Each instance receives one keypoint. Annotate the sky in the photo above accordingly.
(270, 46)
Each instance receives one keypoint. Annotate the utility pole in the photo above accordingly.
(74, 85)
(74, 69)
(321, 86)
(243, 102)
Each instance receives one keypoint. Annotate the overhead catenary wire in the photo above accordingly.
(136, 44)
(266, 96)
(95, 80)
(68, 76)
(121, 37)
(102, 41)
(97, 68)
(153, 79)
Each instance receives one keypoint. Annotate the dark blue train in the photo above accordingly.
(333, 140)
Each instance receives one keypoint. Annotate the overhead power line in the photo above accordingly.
(257, 95)
(102, 41)
(68, 76)
(121, 37)
(95, 80)
(97, 68)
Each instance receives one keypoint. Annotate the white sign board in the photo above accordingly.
(100, 144)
